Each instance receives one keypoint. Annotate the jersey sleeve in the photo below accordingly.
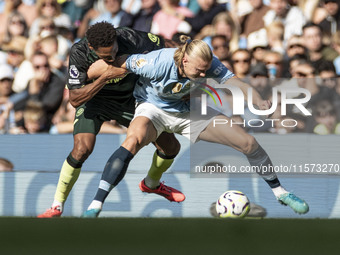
(77, 70)
(218, 71)
(132, 41)
(144, 65)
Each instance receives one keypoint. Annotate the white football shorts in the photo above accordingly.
(173, 122)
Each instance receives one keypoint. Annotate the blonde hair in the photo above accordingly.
(226, 18)
(34, 111)
(194, 48)
(276, 30)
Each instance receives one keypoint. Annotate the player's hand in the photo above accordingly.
(42, 75)
(264, 104)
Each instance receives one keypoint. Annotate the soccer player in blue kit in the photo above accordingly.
(166, 79)
(108, 97)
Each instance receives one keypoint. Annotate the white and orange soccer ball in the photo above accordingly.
(232, 204)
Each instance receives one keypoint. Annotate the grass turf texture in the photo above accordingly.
(168, 236)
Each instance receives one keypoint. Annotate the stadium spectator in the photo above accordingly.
(7, 117)
(317, 51)
(143, 19)
(76, 9)
(165, 23)
(295, 46)
(241, 60)
(275, 32)
(294, 61)
(257, 44)
(15, 51)
(45, 87)
(6, 81)
(131, 6)
(327, 73)
(15, 26)
(331, 23)
(220, 47)
(222, 24)
(45, 42)
(329, 86)
(208, 10)
(113, 14)
(336, 47)
(326, 118)
(304, 74)
(311, 9)
(253, 21)
(34, 118)
(291, 17)
(259, 80)
(47, 28)
(28, 11)
(274, 63)
(6, 165)
(51, 9)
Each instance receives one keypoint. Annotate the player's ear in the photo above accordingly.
(91, 48)
(185, 60)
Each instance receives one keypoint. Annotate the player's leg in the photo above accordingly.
(83, 147)
(167, 149)
(85, 130)
(140, 133)
(236, 137)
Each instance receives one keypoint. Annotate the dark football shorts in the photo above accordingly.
(90, 116)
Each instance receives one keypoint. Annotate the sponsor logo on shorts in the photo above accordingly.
(73, 81)
(74, 73)
(80, 112)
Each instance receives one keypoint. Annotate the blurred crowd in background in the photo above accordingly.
(267, 43)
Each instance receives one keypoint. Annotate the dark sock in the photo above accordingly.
(73, 162)
(265, 169)
(114, 172)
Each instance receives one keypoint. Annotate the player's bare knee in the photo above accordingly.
(81, 151)
(172, 148)
(133, 143)
(250, 144)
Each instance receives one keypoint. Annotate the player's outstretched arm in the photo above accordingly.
(257, 99)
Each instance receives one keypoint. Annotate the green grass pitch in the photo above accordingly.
(162, 236)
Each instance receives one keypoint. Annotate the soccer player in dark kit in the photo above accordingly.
(108, 97)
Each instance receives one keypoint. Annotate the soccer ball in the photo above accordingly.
(232, 204)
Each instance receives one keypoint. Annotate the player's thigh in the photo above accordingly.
(83, 145)
(85, 128)
(139, 134)
(168, 144)
(230, 135)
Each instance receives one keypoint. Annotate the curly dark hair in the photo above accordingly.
(101, 34)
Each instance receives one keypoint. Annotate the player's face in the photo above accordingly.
(195, 67)
(108, 54)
